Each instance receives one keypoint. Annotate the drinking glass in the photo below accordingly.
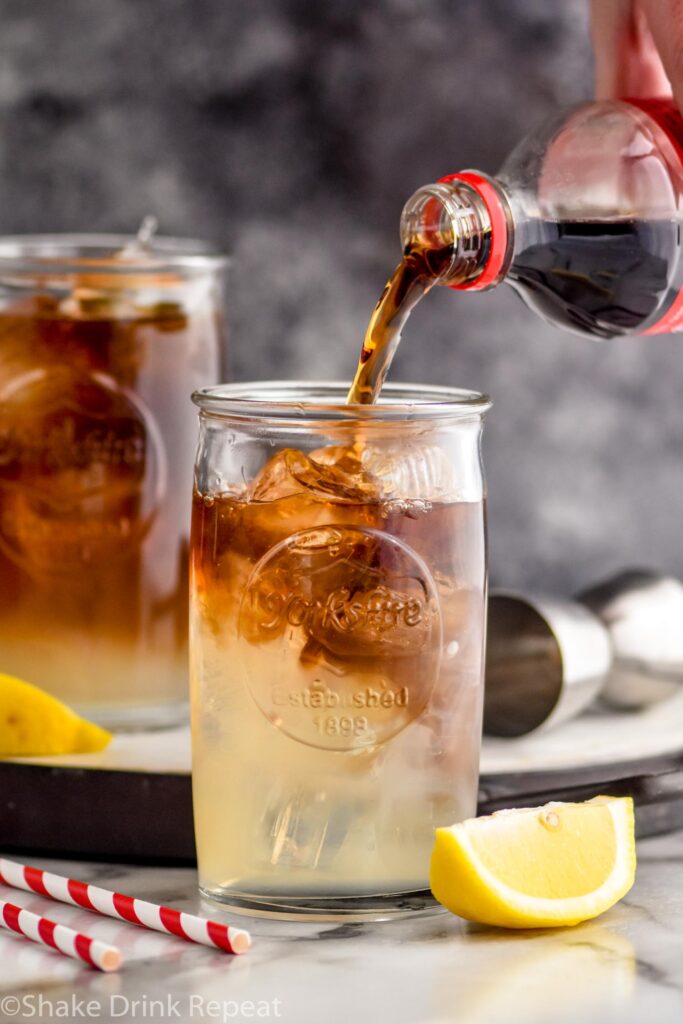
(102, 338)
(338, 585)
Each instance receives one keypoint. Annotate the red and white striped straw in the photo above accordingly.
(58, 936)
(125, 908)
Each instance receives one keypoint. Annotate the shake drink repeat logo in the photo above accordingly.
(362, 608)
(82, 469)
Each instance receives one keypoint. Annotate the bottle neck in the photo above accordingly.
(462, 230)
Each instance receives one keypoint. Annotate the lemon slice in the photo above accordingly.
(537, 867)
(32, 723)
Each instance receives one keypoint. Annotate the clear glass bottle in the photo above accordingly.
(583, 220)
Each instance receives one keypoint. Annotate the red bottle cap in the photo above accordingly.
(499, 230)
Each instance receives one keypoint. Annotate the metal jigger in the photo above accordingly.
(546, 660)
(643, 612)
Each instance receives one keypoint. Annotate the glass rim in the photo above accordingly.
(304, 401)
(70, 253)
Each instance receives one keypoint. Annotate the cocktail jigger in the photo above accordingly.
(547, 659)
(643, 613)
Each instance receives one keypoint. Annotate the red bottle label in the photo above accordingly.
(665, 112)
(671, 321)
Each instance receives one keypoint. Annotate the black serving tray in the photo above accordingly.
(146, 817)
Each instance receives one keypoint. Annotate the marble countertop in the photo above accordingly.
(625, 967)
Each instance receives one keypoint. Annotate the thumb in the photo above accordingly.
(665, 21)
(627, 62)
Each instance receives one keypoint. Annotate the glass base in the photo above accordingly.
(136, 718)
(380, 907)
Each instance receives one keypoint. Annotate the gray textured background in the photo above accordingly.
(291, 132)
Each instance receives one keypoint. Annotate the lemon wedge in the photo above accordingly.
(537, 867)
(32, 723)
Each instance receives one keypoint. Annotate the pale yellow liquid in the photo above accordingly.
(274, 816)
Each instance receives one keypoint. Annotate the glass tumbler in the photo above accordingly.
(338, 585)
(102, 338)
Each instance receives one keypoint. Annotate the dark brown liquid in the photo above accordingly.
(601, 279)
(417, 272)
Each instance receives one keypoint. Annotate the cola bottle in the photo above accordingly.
(583, 220)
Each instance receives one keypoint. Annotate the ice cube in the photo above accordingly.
(410, 470)
(298, 578)
(376, 618)
(291, 472)
(295, 492)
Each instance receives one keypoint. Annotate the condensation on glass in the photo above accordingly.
(338, 580)
(101, 342)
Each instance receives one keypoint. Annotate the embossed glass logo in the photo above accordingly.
(82, 469)
(343, 634)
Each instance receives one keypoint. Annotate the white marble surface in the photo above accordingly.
(626, 967)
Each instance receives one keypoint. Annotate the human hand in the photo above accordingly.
(638, 48)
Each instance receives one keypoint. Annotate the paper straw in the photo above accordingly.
(58, 936)
(125, 908)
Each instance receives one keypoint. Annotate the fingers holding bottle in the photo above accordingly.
(629, 55)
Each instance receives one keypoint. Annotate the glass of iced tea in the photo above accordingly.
(101, 341)
(338, 584)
